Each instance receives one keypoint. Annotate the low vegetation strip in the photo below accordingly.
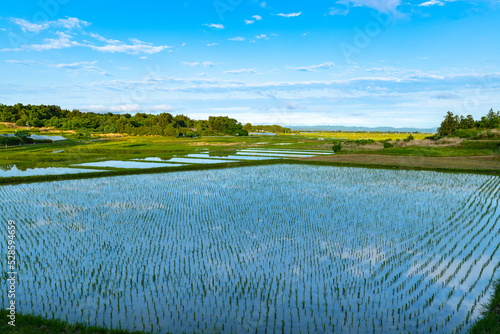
(30, 324)
(490, 321)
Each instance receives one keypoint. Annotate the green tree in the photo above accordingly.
(450, 124)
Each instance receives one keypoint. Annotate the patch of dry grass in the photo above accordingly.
(484, 163)
(429, 143)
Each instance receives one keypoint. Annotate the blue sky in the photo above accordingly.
(347, 62)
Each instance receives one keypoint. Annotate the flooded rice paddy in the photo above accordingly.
(282, 248)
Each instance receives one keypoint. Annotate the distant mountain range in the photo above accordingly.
(359, 128)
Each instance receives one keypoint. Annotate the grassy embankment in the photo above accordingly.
(490, 321)
(30, 324)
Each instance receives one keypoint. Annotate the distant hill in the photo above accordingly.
(359, 128)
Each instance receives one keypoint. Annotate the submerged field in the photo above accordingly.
(284, 248)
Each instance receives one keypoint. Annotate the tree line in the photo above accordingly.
(452, 123)
(163, 124)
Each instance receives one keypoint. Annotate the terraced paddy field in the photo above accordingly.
(279, 248)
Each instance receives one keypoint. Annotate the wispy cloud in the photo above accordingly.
(237, 39)
(216, 26)
(102, 39)
(64, 41)
(23, 62)
(122, 108)
(67, 40)
(431, 3)
(191, 63)
(136, 47)
(204, 64)
(384, 6)
(68, 23)
(255, 18)
(127, 108)
(74, 66)
(289, 14)
(83, 67)
(312, 68)
(241, 71)
(212, 44)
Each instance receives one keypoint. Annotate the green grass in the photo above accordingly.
(447, 151)
(30, 324)
(490, 321)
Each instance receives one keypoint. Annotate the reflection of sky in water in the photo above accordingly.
(275, 154)
(126, 164)
(287, 151)
(302, 245)
(42, 171)
(199, 161)
(235, 157)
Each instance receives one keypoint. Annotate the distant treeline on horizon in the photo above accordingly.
(163, 124)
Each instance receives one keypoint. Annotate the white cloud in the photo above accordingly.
(384, 6)
(241, 71)
(431, 3)
(191, 64)
(160, 107)
(136, 47)
(127, 108)
(84, 67)
(237, 39)
(68, 23)
(77, 65)
(255, 18)
(215, 26)
(289, 15)
(102, 39)
(23, 62)
(64, 41)
(312, 68)
(121, 108)
(28, 26)
(204, 64)
(261, 36)
(212, 44)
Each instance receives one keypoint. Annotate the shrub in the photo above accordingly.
(22, 134)
(82, 135)
(388, 145)
(361, 141)
(337, 147)
(21, 122)
(409, 138)
(10, 140)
